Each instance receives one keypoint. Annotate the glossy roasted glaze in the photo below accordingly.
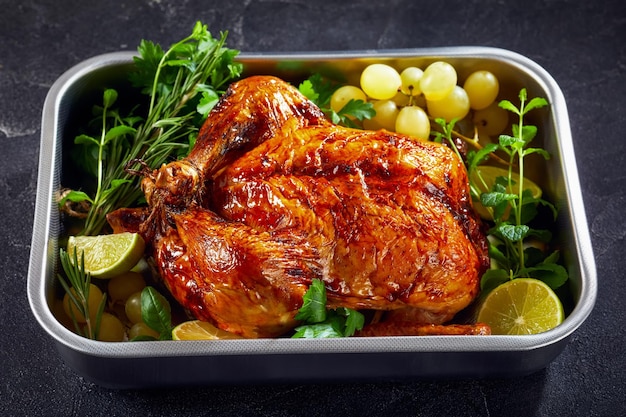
(273, 196)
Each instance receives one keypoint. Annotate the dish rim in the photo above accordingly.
(43, 234)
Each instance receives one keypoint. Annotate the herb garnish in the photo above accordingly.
(513, 212)
(319, 90)
(183, 83)
(78, 289)
(321, 322)
(156, 313)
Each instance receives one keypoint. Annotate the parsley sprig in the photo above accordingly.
(183, 83)
(320, 322)
(319, 90)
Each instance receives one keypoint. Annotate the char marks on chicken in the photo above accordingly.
(273, 195)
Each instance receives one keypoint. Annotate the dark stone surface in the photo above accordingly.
(579, 43)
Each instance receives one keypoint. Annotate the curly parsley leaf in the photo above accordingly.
(353, 109)
(319, 90)
(308, 90)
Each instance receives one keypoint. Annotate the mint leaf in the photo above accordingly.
(516, 143)
(492, 199)
(507, 105)
(497, 255)
(528, 133)
(475, 158)
(535, 103)
(513, 233)
(552, 274)
(540, 151)
(493, 278)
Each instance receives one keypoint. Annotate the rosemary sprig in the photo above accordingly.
(78, 286)
(183, 83)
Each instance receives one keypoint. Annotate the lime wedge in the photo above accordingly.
(200, 330)
(107, 256)
(521, 306)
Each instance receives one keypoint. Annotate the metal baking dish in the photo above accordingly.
(149, 364)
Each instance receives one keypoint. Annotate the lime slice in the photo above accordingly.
(200, 330)
(489, 174)
(521, 306)
(107, 255)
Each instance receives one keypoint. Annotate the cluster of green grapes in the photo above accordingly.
(407, 101)
(122, 316)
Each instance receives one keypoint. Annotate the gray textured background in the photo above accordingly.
(580, 43)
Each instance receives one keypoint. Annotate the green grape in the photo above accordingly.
(385, 118)
(411, 77)
(111, 328)
(455, 105)
(413, 120)
(133, 307)
(142, 329)
(93, 302)
(482, 89)
(122, 286)
(438, 80)
(380, 81)
(344, 94)
(491, 120)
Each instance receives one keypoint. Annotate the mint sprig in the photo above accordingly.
(515, 210)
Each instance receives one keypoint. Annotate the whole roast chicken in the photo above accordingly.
(273, 195)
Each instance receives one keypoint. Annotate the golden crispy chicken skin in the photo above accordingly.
(273, 195)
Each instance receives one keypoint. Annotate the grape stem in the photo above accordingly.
(474, 143)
